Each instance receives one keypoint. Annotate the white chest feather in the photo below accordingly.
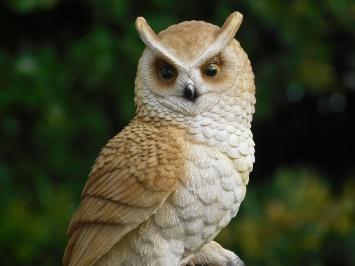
(209, 199)
(218, 162)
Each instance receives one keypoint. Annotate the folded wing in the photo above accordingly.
(132, 177)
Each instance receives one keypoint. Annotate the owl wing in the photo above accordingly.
(132, 177)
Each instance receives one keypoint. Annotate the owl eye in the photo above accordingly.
(211, 70)
(167, 72)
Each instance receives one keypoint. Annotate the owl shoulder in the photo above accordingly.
(150, 153)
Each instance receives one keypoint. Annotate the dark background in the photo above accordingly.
(67, 70)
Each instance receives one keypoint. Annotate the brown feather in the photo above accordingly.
(133, 175)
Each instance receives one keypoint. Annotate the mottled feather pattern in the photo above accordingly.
(163, 188)
(131, 178)
(218, 155)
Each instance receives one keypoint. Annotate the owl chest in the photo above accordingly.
(207, 197)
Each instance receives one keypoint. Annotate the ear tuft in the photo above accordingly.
(231, 26)
(223, 38)
(146, 33)
(152, 41)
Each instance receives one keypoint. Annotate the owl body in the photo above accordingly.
(163, 188)
(212, 186)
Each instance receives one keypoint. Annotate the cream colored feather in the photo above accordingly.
(162, 188)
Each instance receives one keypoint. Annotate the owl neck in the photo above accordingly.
(231, 114)
(224, 126)
(230, 111)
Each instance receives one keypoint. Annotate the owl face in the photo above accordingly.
(189, 66)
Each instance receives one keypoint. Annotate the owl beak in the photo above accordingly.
(190, 92)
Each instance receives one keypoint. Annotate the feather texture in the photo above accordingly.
(163, 188)
(132, 177)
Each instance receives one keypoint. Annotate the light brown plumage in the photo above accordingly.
(162, 189)
(133, 175)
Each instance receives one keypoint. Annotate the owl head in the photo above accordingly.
(190, 67)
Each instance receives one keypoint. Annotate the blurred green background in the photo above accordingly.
(66, 86)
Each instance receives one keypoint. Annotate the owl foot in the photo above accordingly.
(213, 254)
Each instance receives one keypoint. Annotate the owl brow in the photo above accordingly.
(214, 60)
(160, 61)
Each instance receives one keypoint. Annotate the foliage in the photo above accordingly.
(295, 219)
(67, 71)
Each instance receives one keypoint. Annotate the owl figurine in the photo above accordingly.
(163, 188)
